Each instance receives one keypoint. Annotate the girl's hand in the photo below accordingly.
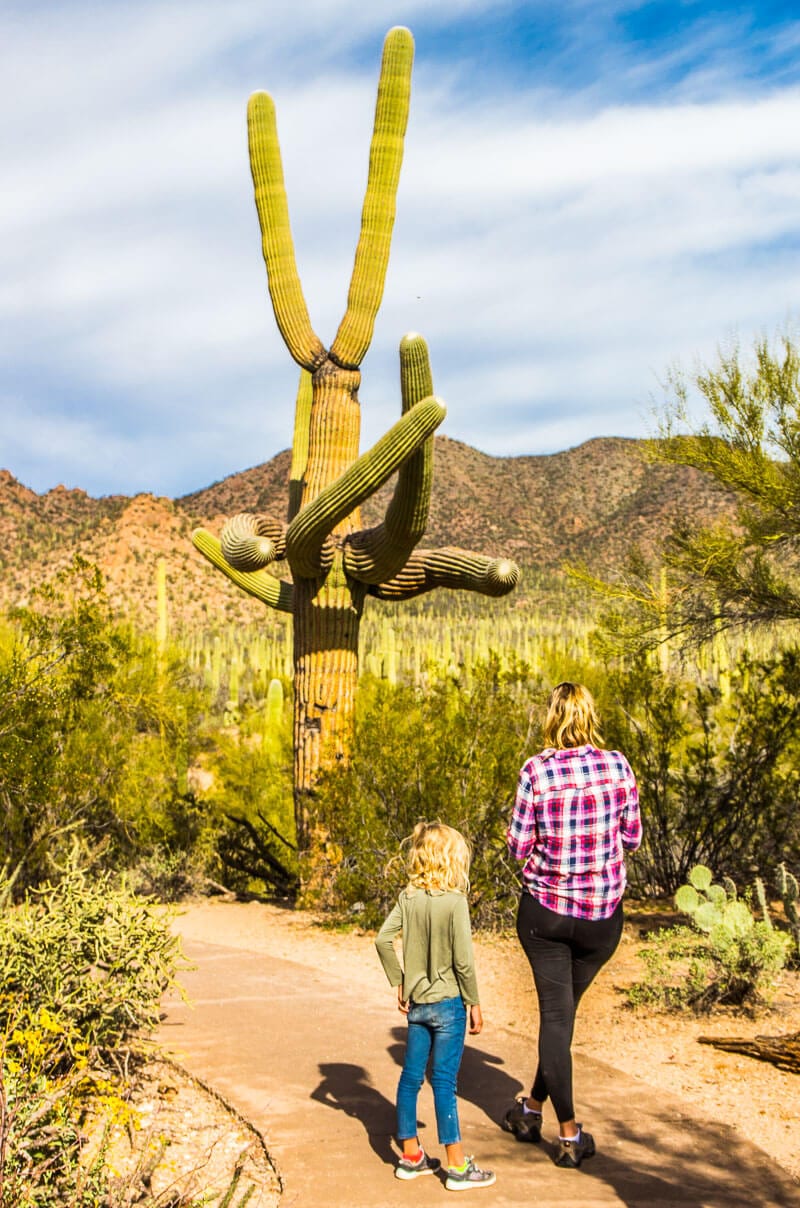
(401, 1005)
(475, 1019)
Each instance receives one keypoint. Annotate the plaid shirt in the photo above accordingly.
(575, 813)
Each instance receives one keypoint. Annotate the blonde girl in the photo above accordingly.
(436, 986)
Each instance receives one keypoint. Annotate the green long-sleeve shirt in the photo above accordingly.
(438, 961)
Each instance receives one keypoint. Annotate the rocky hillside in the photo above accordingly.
(589, 503)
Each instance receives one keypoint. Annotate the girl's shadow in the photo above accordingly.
(346, 1088)
(480, 1080)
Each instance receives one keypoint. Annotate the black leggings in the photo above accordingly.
(565, 954)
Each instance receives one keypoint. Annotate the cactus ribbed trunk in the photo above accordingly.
(327, 611)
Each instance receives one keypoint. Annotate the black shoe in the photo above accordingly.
(572, 1153)
(525, 1125)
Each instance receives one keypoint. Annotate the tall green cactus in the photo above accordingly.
(335, 563)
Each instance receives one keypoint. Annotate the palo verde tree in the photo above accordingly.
(742, 570)
(336, 563)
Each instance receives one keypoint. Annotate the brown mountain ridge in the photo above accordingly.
(590, 503)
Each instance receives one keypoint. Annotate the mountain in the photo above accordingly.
(589, 503)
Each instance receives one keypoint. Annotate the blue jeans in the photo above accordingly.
(435, 1030)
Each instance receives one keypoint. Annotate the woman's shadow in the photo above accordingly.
(480, 1080)
(347, 1088)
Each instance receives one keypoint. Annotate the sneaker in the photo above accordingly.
(525, 1125)
(572, 1153)
(472, 1176)
(406, 1169)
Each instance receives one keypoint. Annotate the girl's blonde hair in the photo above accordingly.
(438, 858)
(571, 719)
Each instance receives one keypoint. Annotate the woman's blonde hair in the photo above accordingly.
(437, 858)
(571, 719)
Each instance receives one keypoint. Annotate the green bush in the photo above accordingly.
(726, 958)
(94, 956)
(85, 964)
(450, 753)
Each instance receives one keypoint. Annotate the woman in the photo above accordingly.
(576, 812)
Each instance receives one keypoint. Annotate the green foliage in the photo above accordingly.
(742, 571)
(84, 968)
(450, 753)
(718, 774)
(95, 731)
(94, 956)
(726, 957)
(251, 797)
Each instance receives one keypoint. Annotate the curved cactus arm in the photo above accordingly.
(291, 312)
(307, 534)
(374, 555)
(274, 592)
(449, 567)
(300, 441)
(249, 542)
(377, 216)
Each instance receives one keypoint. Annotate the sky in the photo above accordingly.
(593, 192)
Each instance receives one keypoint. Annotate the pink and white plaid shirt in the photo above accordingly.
(576, 812)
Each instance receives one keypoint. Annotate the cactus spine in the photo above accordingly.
(335, 563)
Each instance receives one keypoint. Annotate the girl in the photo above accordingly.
(576, 813)
(434, 988)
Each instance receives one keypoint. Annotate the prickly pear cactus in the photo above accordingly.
(335, 563)
(710, 906)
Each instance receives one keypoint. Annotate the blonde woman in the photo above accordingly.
(576, 812)
(435, 986)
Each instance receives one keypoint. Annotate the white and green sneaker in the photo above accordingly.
(470, 1176)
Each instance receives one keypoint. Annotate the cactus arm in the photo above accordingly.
(374, 555)
(449, 567)
(300, 441)
(274, 592)
(377, 216)
(307, 534)
(288, 303)
(250, 542)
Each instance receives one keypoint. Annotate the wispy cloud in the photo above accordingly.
(572, 218)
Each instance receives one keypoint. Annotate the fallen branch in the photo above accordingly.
(782, 1051)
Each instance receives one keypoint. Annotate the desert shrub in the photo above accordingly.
(718, 773)
(95, 734)
(252, 804)
(450, 753)
(85, 964)
(727, 956)
(93, 955)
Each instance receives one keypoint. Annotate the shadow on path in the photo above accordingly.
(347, 1088)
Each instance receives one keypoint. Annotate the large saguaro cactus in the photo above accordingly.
(335, 563)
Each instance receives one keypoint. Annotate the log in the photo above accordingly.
(782, 1051)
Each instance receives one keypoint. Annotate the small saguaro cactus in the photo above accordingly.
(335, 563)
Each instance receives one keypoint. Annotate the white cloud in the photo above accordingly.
(557, 258)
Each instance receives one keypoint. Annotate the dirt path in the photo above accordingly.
(295, 1026)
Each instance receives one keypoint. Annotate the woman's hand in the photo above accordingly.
(475, 1019)
(402, 1005)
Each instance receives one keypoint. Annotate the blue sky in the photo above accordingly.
(592, 192)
